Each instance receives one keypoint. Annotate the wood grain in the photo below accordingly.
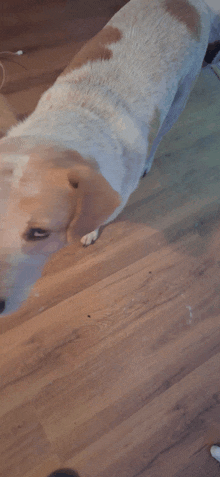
(112, 366)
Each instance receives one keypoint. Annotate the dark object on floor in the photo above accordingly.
(211, 52)
(2, 305)
(64, 473)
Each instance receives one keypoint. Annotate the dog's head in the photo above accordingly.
(49, 197)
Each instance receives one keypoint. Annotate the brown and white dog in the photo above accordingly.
(72, 165)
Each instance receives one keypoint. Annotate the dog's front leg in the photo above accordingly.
(89, 238)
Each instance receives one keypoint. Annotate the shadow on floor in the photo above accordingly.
(64, 473)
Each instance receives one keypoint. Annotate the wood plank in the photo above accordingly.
(112, 365)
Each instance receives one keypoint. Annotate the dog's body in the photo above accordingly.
(72, 165)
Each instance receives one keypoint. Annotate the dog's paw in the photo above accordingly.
(89, 238)
(215, 452)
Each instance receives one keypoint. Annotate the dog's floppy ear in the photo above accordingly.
(96, 200)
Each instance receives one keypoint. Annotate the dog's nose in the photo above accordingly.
(2, 305)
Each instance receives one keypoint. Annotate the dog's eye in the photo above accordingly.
(36, 234)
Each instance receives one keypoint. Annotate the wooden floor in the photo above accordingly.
(112, 366)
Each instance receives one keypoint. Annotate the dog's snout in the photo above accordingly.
(2, 305)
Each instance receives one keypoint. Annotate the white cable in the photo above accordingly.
(3, 75)
(18, 53)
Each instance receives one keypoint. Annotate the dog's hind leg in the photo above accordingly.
(178, 105)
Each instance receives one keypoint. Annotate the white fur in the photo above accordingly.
(215, 452)
(90, 238)
(104, 110)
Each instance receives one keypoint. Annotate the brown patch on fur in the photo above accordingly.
(95, 49)
(94, 200)
(154, 128)
(185, 13)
